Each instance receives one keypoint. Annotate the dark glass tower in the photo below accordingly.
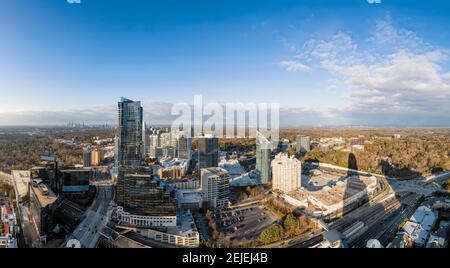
(130, 136)
(208, 152)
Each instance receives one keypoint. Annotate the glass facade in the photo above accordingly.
(130, 137)
(263, 153)
(208, 152)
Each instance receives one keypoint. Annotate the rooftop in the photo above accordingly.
(44, 194)
(233, 167)
(338, 192)
(189, 195)
(20, 179)
(185, 226)
(332, 236)
(215, 170)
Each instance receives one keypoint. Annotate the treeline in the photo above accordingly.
(7, 190)
(347, 132)
(393, 157)
(289, 227)
(21, 152)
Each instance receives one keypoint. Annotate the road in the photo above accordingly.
(95, 218)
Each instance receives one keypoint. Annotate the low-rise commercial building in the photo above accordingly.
(233, 167)
(186, 184)
(171, 168)
(145, 221)
(190, 199)
(21, 181)
(74, 180)
(331, 201)
(419, 225)
(184, 234)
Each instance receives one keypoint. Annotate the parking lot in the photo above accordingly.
(243, 222)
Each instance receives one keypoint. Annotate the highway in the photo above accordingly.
(95, 218)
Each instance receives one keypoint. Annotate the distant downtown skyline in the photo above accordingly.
(326, 62)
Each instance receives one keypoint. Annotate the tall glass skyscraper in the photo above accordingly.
(208, 152)
(263, 151)
(303, 144)
(130, 136)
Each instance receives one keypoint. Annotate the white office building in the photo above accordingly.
(215, 186)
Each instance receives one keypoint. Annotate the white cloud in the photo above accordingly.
(447, 76)
(407, 80)
(293, 66)
(387, 34)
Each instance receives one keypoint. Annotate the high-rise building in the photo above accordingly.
(215, 186)
(87, 156)
(145, 141)
(303, 144)
(183, 146)
(116, 150)
(263, 152)
(156, 152)
(286, 173)
(169, 151)
(154, 141)
(208, 151)
(97, 157)
(143, 201)
(130, 128)
(154, 145)
(165, 139)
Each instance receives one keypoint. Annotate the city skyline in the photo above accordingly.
(359, 64)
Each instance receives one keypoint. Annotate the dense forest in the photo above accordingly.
(21, 151)
(411, 154)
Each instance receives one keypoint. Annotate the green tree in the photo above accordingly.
(291, 226)
(271, 234)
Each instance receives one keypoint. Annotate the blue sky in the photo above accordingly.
(325, 62)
